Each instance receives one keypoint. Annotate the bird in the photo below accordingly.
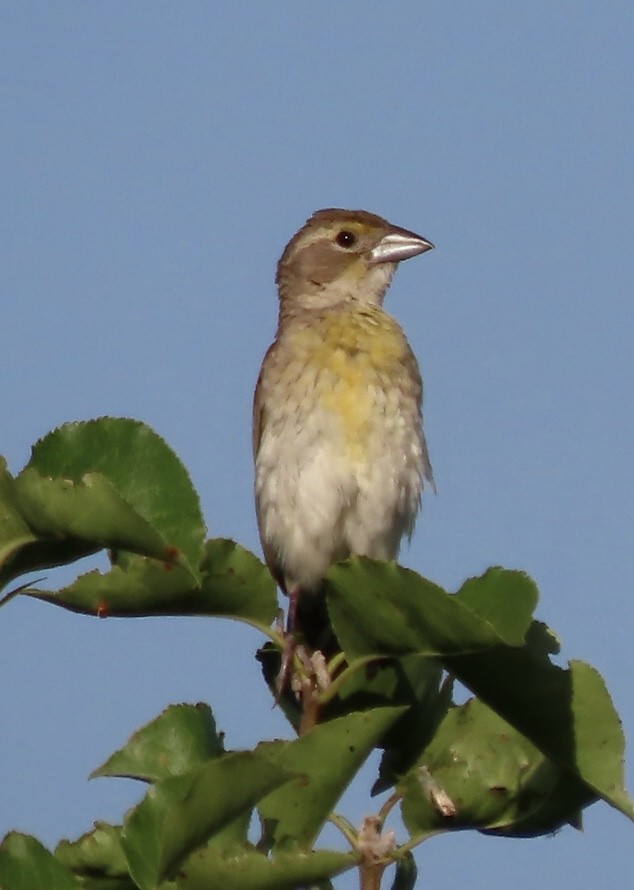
(340, 455)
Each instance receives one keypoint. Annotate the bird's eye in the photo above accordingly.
(345, 238)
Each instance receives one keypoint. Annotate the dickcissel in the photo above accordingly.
(340, 454)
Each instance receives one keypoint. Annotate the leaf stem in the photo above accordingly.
(346, 828)
(328, 694)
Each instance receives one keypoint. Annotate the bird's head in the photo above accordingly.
(343, 255)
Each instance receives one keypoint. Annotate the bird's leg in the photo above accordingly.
(290, 642)
(312, 675)
(291, 619)
(308, 685)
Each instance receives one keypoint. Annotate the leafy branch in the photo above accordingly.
(535, 745)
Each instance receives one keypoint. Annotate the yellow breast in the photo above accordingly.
(360, 356)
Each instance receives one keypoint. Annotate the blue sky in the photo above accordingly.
(156, 157)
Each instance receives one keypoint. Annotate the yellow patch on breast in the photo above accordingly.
(350, 399)
(355, 351)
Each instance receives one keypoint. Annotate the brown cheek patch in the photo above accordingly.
(320, 262)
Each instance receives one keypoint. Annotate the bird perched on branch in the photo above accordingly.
(340, 454)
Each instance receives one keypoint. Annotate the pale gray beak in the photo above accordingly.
(397, 245)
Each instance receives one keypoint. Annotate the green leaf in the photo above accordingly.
(15, 533)
(392, 682)
(96, 882)
(89, 510)
(98, 852)
(234, 836)
(249, 870)
(406, 873)
(177, 742)
(107, 483)
(140, 466)
(381, 609)
(411, 682)
(238, 584)
(478, 636)
(21, 548)
(182, 812)
(567, 714)
(599, 738)
(479, 772)
(233, 584)
(504, 598)
(144, 587)
(27, 865)
(429, 699)
(326, 760)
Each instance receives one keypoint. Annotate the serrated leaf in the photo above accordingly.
(88, 510)
(144, 587)
(233, 584)
(326, 760)
(182, 812)
(567, 714)
(249, 870)
(25, 864)
(237, 583)
(108, 483)
(98, 852)
(382, 609)
(504, 598)
(479, 772)
(140, 466)
(15, 533)
(22, 549)
(177, 742)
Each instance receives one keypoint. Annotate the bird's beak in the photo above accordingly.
(397, 245)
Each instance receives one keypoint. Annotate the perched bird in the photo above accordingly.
(340, 454)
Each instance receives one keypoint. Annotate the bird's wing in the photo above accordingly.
(259, 409)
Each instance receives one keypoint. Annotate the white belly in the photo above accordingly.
(331, 484)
